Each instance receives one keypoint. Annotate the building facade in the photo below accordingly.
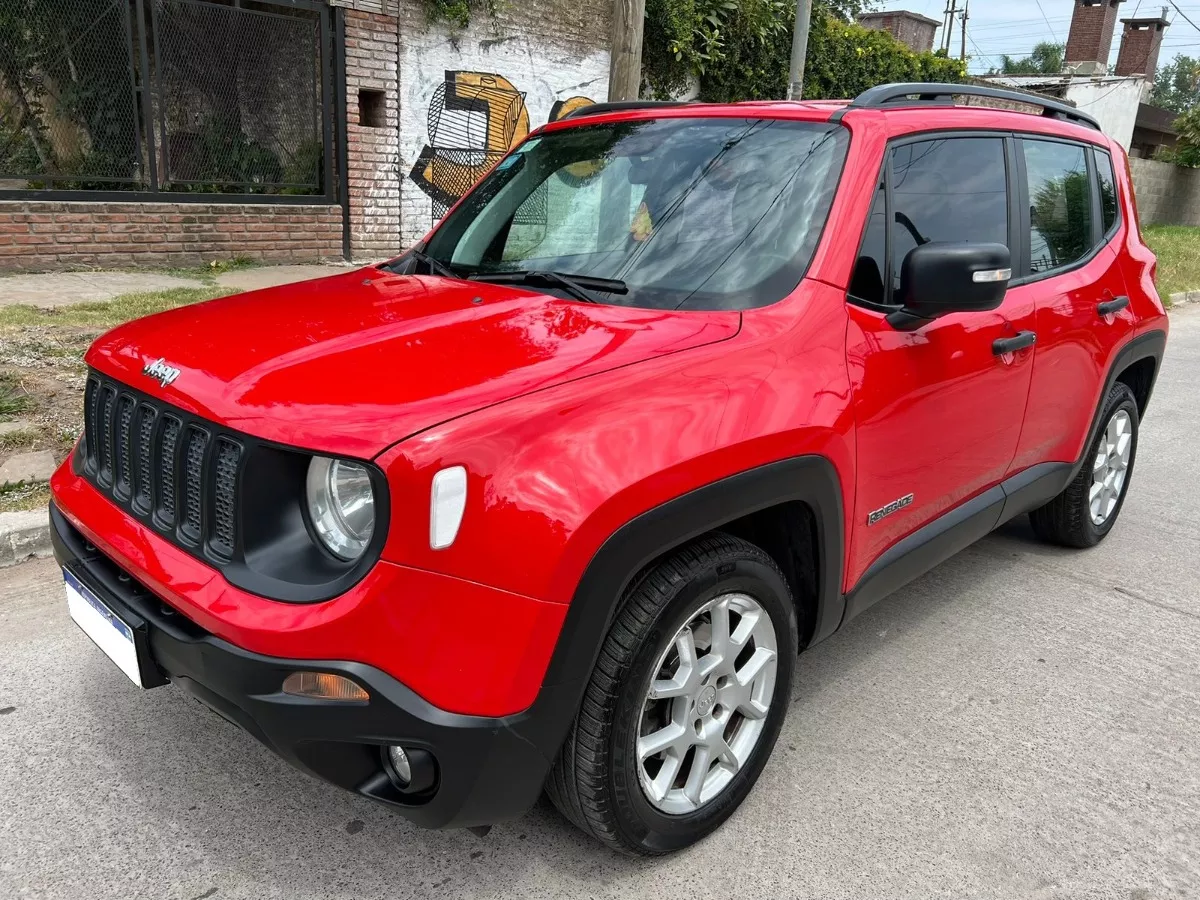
(284, 130)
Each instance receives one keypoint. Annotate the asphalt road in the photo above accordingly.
(1021, 722)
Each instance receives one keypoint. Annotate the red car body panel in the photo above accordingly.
(350, 364)
(463, 646)
(554, 474)
(573, 419)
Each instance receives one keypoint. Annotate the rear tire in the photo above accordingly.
(724, 699)
(1088, 507)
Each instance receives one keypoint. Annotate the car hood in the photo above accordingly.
(352, 363)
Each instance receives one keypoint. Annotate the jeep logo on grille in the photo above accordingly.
(160, 370)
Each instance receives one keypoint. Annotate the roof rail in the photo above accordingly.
(596, 109)
(919, 94)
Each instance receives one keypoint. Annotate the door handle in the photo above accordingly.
(1019, 341)
(1108, 307)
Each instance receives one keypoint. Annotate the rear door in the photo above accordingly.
(938, 411)
(1069, 224)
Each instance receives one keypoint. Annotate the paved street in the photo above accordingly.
(1022, 722)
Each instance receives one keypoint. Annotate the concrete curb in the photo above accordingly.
(1183, 298)
(24, 535)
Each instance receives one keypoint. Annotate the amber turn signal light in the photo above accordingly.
(323, 686)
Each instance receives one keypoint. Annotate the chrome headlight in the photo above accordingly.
(341, 505)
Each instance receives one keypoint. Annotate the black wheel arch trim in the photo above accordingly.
(1149, 345)
(811, 479)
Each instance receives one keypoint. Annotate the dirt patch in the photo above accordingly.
(45, 364)
(42, 373)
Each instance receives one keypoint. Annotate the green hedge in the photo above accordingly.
(741, 51)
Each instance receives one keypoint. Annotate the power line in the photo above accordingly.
(1047, 21)
(991, 59)
(1182, 13)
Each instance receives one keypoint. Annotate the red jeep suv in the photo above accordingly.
(553, 500)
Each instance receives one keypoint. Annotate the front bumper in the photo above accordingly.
(488, 769)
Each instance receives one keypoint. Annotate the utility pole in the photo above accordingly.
(963, 53)
(948, 37)
(799, 49)
(625, 61)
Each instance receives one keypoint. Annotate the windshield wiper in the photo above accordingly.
(576, 285)
(435, 267)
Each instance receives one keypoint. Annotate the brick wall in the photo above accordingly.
(1092, 26)
(41, 236)
(372, 59)
(914, 31)
(1166, 194)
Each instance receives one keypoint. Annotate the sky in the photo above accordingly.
(1014, 26)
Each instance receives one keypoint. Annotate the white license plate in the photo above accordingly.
(104, 627)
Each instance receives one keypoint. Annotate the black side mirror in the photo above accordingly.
(941, 278)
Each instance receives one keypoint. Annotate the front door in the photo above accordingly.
(938, 410)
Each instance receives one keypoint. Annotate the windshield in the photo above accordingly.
(687, 213)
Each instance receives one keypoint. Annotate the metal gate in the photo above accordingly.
(168, 99)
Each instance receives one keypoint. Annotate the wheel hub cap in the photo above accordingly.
(1110, 467)
(706, 705)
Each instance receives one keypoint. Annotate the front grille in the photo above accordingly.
(174, 471)
(229, 455)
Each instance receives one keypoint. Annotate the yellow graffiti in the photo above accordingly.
(455, 157)
(563, 108)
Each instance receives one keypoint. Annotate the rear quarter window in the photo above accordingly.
(1108, 190)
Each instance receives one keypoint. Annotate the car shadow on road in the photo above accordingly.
(213, 788)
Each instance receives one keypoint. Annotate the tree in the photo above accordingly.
(1187, 151)
(1045, 59)
(1177, 85)
(740, 51)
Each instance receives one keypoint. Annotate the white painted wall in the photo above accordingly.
(538, 65)
(1112, 101)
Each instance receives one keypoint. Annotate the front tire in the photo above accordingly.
(1088, 507)
(686, 700)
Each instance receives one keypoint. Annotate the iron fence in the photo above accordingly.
(180, 97)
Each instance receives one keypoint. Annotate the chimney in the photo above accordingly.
(1091, 35)
(1140, 44)
(909, 28)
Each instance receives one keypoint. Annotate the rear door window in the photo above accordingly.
(1060, 204)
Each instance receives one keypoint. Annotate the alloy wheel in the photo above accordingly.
(1110, 467)
(707, 704)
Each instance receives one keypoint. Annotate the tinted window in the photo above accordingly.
(1108, 189)
(1060, 204)
(866, 283)
(693, 213)
(950, 189)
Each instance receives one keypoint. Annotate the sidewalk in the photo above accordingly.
(64, 288)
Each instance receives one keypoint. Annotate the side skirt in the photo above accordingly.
(957, 529)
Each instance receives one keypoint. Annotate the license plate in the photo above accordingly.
(107, 630)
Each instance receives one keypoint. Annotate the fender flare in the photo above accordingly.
(811, 479)
(1149, 344)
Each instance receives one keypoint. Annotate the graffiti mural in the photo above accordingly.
(474, 119)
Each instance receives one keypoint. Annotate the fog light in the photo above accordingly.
(323, 686)
(400, 765)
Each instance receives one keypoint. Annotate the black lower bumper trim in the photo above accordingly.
(487, 769)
